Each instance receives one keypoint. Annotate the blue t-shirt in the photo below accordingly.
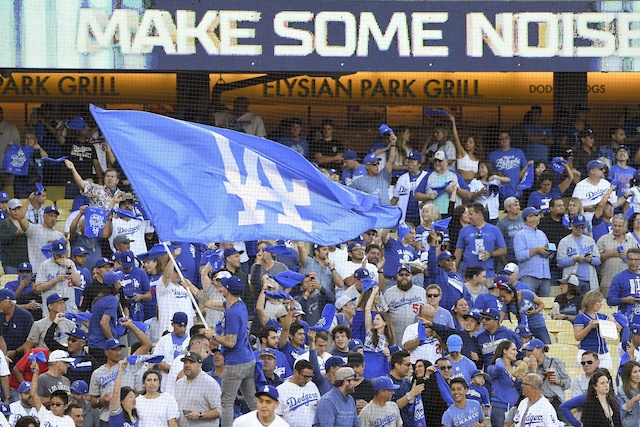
(394, 251)
(463, 417)
(485, 301)
(479, 393)
(135, 281)
(593, 341)
(349, 175)
(13, 285)
(119, 420)
(190, 260)
(149, 307)
(600, 228)
(106, 305)
(469, 239)
(291, 353)
(624, 175)
(283, 370)
(510, 163)
(526, 303)
(624, 284)
(16, 330)
(541, 201)
(236, 322)
(463, 369)
(85, 279)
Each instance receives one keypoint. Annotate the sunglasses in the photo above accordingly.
(445, 368)
(71, 339)
(586, 362)
(433, 295)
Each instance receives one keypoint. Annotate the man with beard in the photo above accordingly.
(613, 259)
(404, 301)
(337, 407)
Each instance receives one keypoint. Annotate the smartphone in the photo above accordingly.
(186, 412)
(552, 247)
(312, 276)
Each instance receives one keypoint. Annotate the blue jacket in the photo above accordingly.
(452, 284)
(505, 391)
(336, 410)
(488, 342)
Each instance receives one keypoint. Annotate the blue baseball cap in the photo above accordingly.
(112, 277)
(403, 267)
(101, 262)
(383, 383)
(494, 313)
(350, 155)
(480, 372)
(355, 344)
(368, 283)
(128, 260)
(78, 333)
(7, 295)
(371, 158)
(530, 211)
(594, 164)
(59, 247)
(578, 219)
(267, 352)
(4, 196)
(454, 343)
(415, 155)
(55, 297)
(113, 343)
(25, 266)
(634, 328)
(77, 123)
(361, 273)
(231, 251)
(523, 331)
(233, 284)
(80, 387)
(476, 314)
(24, 387)
(180, 318)
(444, 255)
(534, 343)
(53, 209)
(79, 251)
(334, 361)
(268, 390)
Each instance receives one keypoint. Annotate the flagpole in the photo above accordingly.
(193, 300)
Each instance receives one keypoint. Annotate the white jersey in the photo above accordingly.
(321, 359)
(591, 195)
(430, 350)
(156, 412)
(298, 404)
(251, 420)
(540, 414)
(171, 299)
(404, 307)
(18, 411)
(135, 229)
(47, 419)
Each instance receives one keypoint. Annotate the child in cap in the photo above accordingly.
(477, 390)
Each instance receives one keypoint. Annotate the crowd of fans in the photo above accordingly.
(107, 326)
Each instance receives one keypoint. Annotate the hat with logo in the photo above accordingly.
(267, 352)
(361, 273)
(383, 383)
(231, 251)
(343, 300)
(572, 280)
(354, 245)
(128, 259)
(444, 255)
(350, 155)
(116, 257)
(112, 277)
(530, 211)
(121, 238)
(4, 196)
(79, 251)
(346, 373)
(368, 283)
(7, 295)
(25, 266)
(454, 343)
(475, 313)
(403, 267)
(78, 333)
(192, 356)
(494, 313)
(113, 343)
(415, 155)
(586, 132)
(60, 356)
(355, 344)
(371, 158)
(14, 203)
(578, 219)
(59, 247)
(534, 343)
(80, 387)
(53, 209)
(480, 372)
(5, 409)
(511, 268)
(333, 361)
(268, 390)
(594, 164)
(634, 328)
(440, 155)
(24, 387)
(233, 284)
(180, 318)
(77, 123)
(101, 262)
(523, 331)
(54, 298)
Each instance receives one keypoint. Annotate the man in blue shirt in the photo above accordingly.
(239, 363)
(294, 140)
(625, 287)
(376, 181)
(479, 243)
(337, 406)
(15, 326)
(352, 168)
(493, 334)
(135, 286)
(510, 161)
(531, 247)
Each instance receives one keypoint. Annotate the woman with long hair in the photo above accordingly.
(429, 213)
(587, 331)
(155, 408)
(358, 324)
(505, 381)
(601, 408)
(467, 155)
(475, 279)
(459, 218)
(122, 408)
(485, 189)
(574, 207)
(629, 393)
(380, 333)
(459, 311)
(524, 303)
(400, 164)
(546, 191)
(634, 226)
(569, 300)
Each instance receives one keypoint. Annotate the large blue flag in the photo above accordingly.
(16, 159)
(204, 184)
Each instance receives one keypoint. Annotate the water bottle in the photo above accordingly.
(555, 308)
(620, 250)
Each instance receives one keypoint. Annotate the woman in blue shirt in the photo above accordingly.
(586, 328)
(524, 304)
(505, 386)
(122, 409)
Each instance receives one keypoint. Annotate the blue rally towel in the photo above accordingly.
(325, 321)
(58, 160)
(261, 187)
(122, 213)
(527, 180)
(287, 279)
(94, 221)
(417, 409)
(278, 295)
(422, 332)
(37, 357)
(441, 225)
(16, 159)
(281, 250)
(376, 364)
(144, 358)
(78, 318)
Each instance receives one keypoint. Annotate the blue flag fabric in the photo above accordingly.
(376, 364)
(417, 409)
(324, 323)
(94, 221)
(58, 160)
(565, 221)
(37, 357)
(280, 249)
(630, 210)
(278, 295)
(78, 318)
(122, 213)
(287, 279)
(16, 159)
(121, 330)
(144, 358)
(229, 186)
(440, 189)
(527, 180)
(433, 112)
(441, 225)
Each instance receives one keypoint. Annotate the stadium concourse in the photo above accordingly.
(506, 290)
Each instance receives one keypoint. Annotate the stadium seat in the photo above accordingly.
(6, 278)
(64, 204)
(48, 202)
(555, 326)
(566, 337)
(55, 192)
(565, 352)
